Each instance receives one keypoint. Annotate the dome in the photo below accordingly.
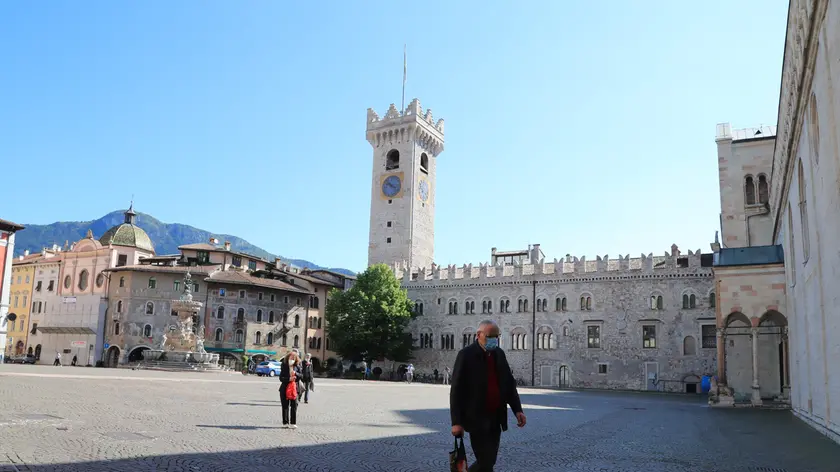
(128, 234)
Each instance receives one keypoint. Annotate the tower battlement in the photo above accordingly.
(410, 124)
(570, 266)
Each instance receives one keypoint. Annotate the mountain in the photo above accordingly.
(165, 236)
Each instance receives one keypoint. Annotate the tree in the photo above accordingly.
(369, 321)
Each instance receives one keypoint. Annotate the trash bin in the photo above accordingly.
(706, 384)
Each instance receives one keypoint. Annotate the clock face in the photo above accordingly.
(424, 190)
(391, 186)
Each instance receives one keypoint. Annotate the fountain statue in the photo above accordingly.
(184, 344)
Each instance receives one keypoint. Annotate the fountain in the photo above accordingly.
(184, 343)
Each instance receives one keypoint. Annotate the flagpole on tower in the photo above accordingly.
(405, 70)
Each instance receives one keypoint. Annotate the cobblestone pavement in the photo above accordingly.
(84, 419)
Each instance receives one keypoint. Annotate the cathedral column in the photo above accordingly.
(721, 355)
(756, 397)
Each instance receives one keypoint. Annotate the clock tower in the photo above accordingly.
(402, 204)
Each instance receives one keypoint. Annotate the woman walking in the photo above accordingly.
(289, 388)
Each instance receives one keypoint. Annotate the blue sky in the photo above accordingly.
(587, 130)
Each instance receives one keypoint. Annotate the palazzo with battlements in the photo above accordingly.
(644, 323)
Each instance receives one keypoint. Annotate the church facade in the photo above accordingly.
(644, 323)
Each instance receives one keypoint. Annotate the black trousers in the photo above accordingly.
(307, 386)
(484, 440)
(289, 407)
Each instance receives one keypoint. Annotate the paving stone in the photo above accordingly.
(96, 420)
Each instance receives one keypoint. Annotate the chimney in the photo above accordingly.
(227, 245)
(20, 258)
(277, 262)
(44, 252)
(26, 252)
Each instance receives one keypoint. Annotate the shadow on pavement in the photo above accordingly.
(564, 433)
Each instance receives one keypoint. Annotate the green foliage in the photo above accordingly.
(166, 237)
(370, 320)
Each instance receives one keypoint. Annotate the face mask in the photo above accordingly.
(291, 362)
(492, 343)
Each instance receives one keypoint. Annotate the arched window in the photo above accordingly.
(318, 344)
(692, 301)
(285, 318)
(588, 303)
(220, 312)
(660, 304)
(653, 302)
(119, 306)
(259, 316)
(582, 303)
(424, 163)
(689, 346)
(519, 305)
(565, 330)
(484, 306)
(749, 190)
(712, 300)
(285, 340)
(319, 322)
(271, 317)
(240, 314)
(117, 328)
(685, 301)
(83, 280)
(297, 341)
(392, 160)
(147, 331)
(238, 336)
(297, 323)
(152, 283)
(489, 306)
(150, 308)
(220, 335)
(269, 339)
(814, 127)
(803, 214)
(122, 281)
(763, 189)
(258, 337)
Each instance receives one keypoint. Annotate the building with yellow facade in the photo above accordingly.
(20, 296)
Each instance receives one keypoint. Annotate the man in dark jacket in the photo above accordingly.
(482, 387)
(306, 376)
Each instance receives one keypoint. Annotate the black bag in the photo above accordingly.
(458, 457)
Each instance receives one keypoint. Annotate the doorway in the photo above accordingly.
(545, 376)
(651, 375)
(136, 355)
(564, 376)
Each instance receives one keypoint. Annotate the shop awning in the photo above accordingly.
(223, 349)
(65, 330)
(257, 351)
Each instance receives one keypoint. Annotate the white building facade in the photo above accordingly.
(805, 206)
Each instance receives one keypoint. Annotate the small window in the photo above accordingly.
(150, 308)
(593, 337)
(67, 281)
(195, 287)
(240, 314)
(424, 163)
(252, 265)
(260, 296)
(388, 240)
(749, 190)
(649, 337)
(122, 260)
(177, 286)
(273, 298)
(259, 316)
(286, 300)
(297, 325)
(602, 368)
(203, 257)
(389, 224)
(220, 312)
(258, 338)
(712, 300)
(709, 336)
(242, 294)
(222, 292)
(152, 283)
(117, 328)
(236, 261)
(147, 331)
(692, 301)
(119, 306)
(271, 317)
(173, 313)
(83, 280)
(238, 336)
(220, 335)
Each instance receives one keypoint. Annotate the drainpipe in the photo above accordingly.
(533, 331)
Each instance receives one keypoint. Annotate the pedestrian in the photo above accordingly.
(436, 374)
(57, 359)
(446, 374)
(482, 387)
(290, 376)
(409, 373)
(73, 362)
(364, 370)
(306, 376)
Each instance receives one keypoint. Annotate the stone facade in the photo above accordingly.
(7, 250)
(638, 324)
(402, 209)
(805, 206)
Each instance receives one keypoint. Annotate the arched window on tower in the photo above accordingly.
(392, 160)
(749, 190)
(424, 163)
(763, 190)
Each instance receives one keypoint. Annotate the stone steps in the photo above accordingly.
(176, 366)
